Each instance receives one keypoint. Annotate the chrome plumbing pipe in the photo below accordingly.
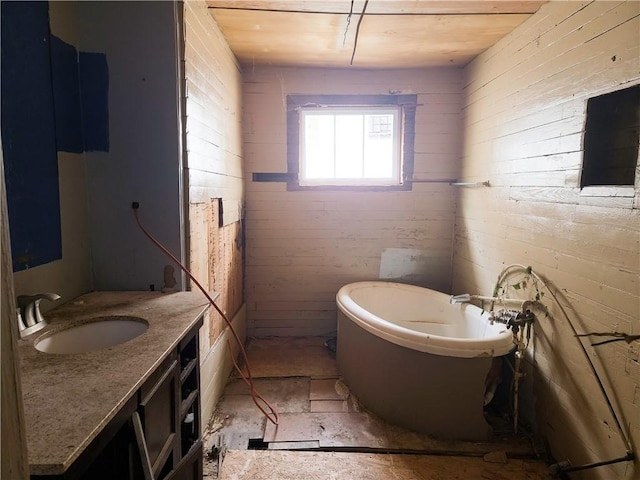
(466, 297)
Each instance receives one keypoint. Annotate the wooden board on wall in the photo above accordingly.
(225, 264)
(14, 445)
(216, 254)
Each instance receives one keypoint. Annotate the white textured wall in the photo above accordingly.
(214, 113)
(143, 161)
(213, 169)
(302, 246)
(524, 116)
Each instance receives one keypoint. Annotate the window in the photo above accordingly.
(349, 146)
(350, 142)
(611, 137)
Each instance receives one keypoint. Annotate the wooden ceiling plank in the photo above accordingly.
(388, 7)
(314, 6)
(279, 38)
(286, 38)
(429, 41)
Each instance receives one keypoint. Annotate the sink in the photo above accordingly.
(92, 334)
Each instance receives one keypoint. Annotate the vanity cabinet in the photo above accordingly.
(168, 404)
(189, 448)
(169, 411)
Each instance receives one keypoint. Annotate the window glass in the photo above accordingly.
(349, 142)
(350, 146)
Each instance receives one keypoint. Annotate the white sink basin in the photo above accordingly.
(92, 334)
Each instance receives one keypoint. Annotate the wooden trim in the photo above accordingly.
(271, 177)
(293, 137)
(297, 101)
(14, 441)
(167, 450)
(147, 470)
(193, 460)
(293, 187)
(170, 371)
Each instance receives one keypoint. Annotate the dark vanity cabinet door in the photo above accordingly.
(110, 455)
(158, 413)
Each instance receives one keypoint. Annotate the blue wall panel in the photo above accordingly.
(28, 134)
(94, 87)
(66, 96)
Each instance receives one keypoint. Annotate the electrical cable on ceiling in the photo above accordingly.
(273, 416)
(355, 41)
(344, 40)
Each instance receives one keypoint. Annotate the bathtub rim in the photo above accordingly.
(493, 346)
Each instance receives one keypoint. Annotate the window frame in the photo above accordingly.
(406, 125)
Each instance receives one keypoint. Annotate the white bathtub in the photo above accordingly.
(416, 360)
(423, 320)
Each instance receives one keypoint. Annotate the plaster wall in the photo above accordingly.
(143, 161)
(524, 117)
(214, 174)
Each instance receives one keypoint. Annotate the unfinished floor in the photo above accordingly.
(323, 432)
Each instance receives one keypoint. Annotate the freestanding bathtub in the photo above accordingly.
(415, 360)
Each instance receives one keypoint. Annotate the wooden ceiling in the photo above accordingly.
(392, 33)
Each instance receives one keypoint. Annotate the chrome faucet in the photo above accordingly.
(463, 298)
(30, 318)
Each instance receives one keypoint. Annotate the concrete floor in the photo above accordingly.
(323, 433)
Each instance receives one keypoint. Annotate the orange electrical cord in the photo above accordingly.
(273, 416)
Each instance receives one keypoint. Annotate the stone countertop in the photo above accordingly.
(69, 399)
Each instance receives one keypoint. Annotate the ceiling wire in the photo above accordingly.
(355, 42)
(344, 40)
